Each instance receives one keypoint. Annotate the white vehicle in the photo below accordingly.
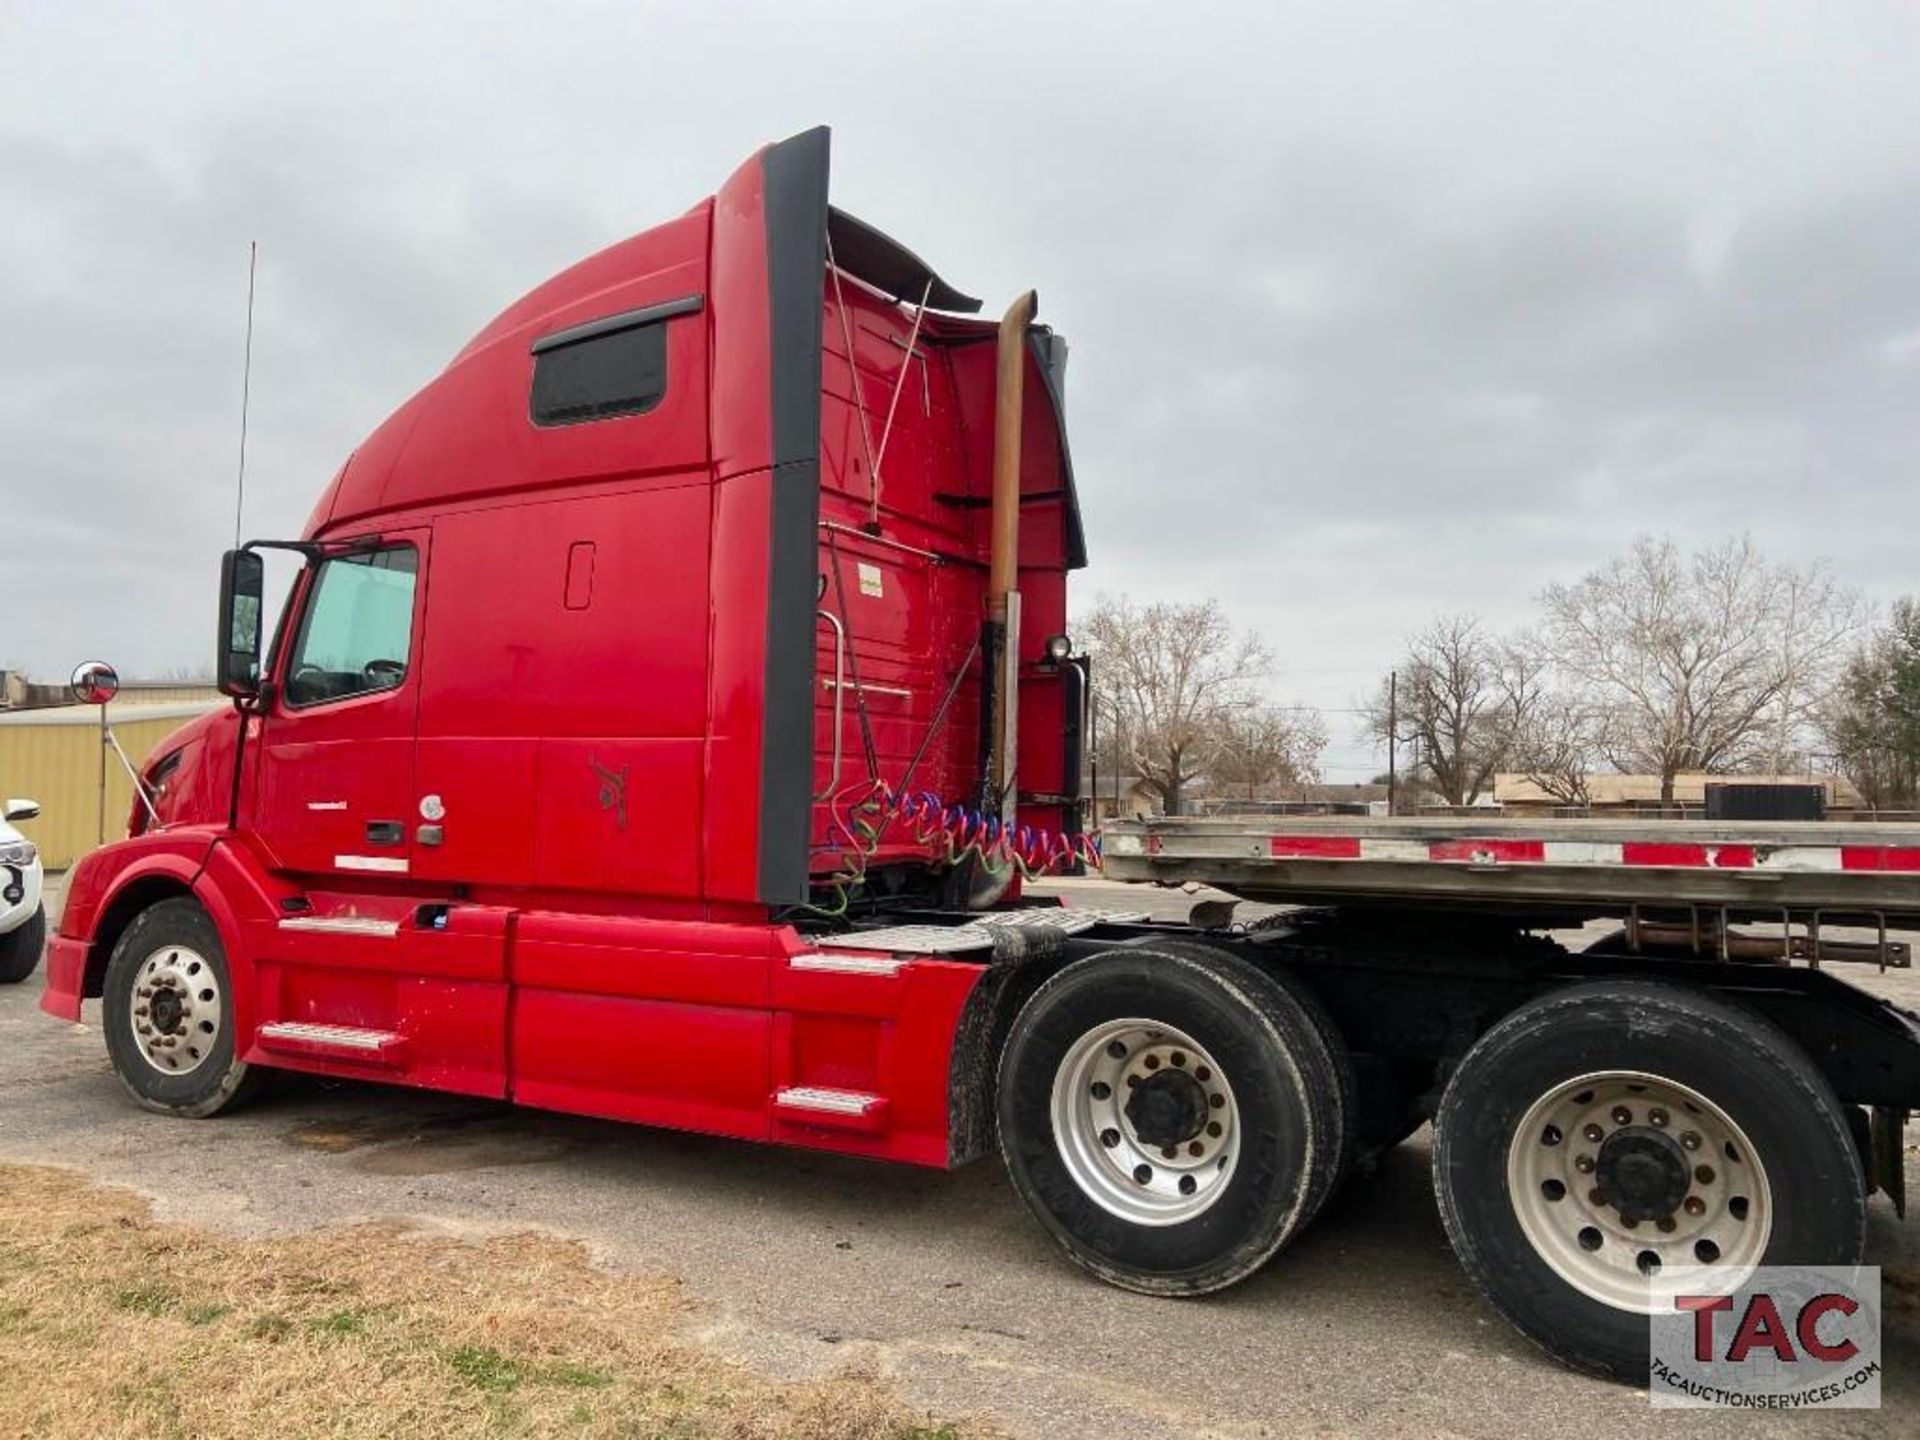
(23, 922)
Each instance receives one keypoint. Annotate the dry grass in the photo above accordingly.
(114, 1325)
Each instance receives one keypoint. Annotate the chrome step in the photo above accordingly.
(819, 1105)
(337, 1042)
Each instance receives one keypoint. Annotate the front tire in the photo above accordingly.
(1610, 1134)
(167, 1009)
(20, 948)
(1167, 1116)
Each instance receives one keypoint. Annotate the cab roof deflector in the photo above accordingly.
(884, 263)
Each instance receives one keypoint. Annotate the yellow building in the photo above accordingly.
(55, 756)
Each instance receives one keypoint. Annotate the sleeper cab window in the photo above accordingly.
(357, 629)
(613, 366)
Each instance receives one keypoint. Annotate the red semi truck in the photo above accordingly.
(675, 693)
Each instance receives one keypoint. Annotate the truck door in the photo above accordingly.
(334, 793)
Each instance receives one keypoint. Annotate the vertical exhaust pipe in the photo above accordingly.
(1003, 576)
(1009, 391)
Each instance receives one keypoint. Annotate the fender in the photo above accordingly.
(104, 892)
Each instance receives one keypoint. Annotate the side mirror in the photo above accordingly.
(18, 809)
(237, 662)
(94, 682)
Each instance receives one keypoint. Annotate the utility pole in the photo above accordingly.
(1393, 734)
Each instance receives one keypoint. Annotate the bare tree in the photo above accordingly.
(1166, 674)
(1714, 661)
(1558, 745)
(1462, 696)
(1264, 745)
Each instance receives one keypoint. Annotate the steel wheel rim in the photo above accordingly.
(176, 1010)
(1113, 1134)
(1591, 1169)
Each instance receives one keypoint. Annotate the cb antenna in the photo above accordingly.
(246, 394)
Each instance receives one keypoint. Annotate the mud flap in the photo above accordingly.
(1886, 1161)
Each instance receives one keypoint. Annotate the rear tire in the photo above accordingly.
(167, 1010)
(1168, 1115)
(20, 948)
(1610, 1132)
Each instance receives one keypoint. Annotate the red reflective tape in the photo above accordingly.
(1154, 844)
(1489, 852)
(1696, 857)
(1880, 857)
(1313, 847)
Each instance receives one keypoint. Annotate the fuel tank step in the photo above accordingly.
(335, 1042)
(836, 1109)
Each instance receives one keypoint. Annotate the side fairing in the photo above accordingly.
(769, 258)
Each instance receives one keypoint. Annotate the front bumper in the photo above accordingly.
(66, 977)
(19, 895)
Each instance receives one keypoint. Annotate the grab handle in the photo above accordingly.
(839, 698)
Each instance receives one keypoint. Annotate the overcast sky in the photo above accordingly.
(1377, 311)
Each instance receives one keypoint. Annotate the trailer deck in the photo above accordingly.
(1808, 873)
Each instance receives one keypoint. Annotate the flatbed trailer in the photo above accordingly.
(671, 702)
(1662, 879)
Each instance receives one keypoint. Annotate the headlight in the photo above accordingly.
(19, 853)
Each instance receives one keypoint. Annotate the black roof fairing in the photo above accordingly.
(881, 261)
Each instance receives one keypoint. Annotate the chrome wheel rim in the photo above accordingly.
(176, 1010)
(1624, 1182)
(1145, 1122)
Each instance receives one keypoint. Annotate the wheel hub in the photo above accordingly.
(1625, 1182)
(1168, 1108)
(1145, 1122)
(176, 1010)
(168, 1009)
(1642, 1173)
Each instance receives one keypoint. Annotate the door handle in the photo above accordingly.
(385, 832)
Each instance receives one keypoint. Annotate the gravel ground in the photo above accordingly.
(807, 1264)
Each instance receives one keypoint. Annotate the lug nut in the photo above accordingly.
(1583, 1163)
(1657, 1118)
(1622, 1115)
(1694, 1205)
(1704, 1174)
(1593, 1132)
(1690, 1139)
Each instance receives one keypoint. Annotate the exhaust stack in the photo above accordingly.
(1003, 576)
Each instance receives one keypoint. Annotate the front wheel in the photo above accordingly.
(1168, 1116)
(1605, 1138)
(167, 1009)
(20, 948)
